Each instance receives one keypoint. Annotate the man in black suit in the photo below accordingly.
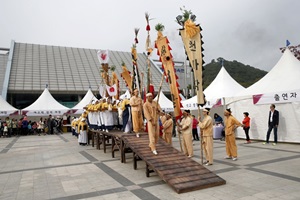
(273, 122)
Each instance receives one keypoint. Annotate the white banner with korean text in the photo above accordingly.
(191, 104)
(278, 97)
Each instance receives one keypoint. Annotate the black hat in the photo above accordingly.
(228, 110)
(206, 109)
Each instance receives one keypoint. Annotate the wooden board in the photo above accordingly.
(183, 174)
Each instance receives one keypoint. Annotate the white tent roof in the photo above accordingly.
(164, 102)
(222, 86)
(283, 76)
(6, 109)
(45, 105)
(87, 99)
(190, 104)
(126, 94)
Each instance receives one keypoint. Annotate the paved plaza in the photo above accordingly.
(56, 167)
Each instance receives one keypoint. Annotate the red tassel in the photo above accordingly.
(136, 40)
(148, 27)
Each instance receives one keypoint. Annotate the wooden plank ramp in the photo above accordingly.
(183, 174)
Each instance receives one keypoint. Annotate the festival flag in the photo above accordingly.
(218, 103)
(115, 81)
(287, 43)
(165, 56)
(103, 56)
(111, 90)
(191, 37)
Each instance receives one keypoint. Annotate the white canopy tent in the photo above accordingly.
(164, 102)
(45, 105)
(87, 99)
(125, 95)
(222, 86)
(6, 109)
(280, 80)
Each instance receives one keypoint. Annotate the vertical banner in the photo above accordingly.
(163, 50)
(191, 38)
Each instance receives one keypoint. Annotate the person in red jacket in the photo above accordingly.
(195, 130)
(246, 127)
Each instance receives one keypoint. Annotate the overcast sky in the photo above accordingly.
(249, 31)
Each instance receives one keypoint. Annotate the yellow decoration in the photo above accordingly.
(159, 35)
(134, 53)
(126, 76)
(191, 29)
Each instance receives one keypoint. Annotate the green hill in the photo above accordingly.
(243, 74)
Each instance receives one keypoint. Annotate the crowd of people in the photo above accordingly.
(21, 127)
(127, 115)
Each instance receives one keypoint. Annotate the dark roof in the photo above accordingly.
(67, 69)
(3, 64)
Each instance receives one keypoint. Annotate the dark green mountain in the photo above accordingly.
(243, 74)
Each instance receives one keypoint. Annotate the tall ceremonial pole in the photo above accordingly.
(191, 37)
(136, 81)
(149, 50)
(103, 58)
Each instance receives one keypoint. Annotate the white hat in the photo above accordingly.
(149, 94)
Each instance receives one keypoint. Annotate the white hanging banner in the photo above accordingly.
(103, 56)
(278, 97)
(102, 89)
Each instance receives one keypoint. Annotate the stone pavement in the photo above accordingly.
(56, 167)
